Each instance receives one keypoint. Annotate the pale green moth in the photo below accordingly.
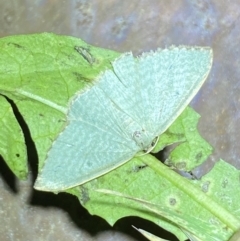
(122, 113)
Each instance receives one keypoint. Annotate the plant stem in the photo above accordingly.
(42, 100)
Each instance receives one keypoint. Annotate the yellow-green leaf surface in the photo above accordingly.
(193, 150)
(40, 73)
(12, 146)
(169, 200)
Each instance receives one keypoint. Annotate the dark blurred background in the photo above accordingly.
(137, 25)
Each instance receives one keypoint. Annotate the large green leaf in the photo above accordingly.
(40, 73)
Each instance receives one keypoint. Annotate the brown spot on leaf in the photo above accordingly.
(198, 156)
(85, 53)
(15, 45)
(172, 201)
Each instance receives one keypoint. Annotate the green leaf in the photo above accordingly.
(222, 185)
(192, 149)
(12, 145)
(40, 73)
(169, 200)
